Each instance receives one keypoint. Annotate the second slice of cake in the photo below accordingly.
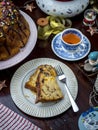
(44, 83)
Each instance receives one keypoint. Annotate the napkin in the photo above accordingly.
(9, 120)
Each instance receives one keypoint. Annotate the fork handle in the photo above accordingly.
(73, 103)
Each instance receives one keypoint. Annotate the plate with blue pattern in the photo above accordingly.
(64, 54)
(89, 120)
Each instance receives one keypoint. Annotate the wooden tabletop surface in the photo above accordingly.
(68, 120)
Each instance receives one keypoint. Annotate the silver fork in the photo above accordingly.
(62, 78)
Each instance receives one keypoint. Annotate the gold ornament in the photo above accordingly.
(94, 5)
(55, 25)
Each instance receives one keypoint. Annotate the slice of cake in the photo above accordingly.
(32, 82)
(44, 83)
(14, 30)
(47, 88)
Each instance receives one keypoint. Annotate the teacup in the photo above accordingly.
(71, 38)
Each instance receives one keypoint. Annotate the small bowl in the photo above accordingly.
(71, 38)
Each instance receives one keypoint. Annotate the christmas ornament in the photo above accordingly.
(92, 30)
(30, 7)
(2, 84)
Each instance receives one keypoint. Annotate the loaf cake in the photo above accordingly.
(43, 82)
(14, 30)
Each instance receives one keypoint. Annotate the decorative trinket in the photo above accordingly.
(30, 7)
(89, 17)
(92, 30)
(42, 22)
(2, 84)
(91, 64)
(51, 25)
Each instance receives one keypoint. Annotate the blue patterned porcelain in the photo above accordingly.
(89, 120)
(68, 46)
(62, 53)
(63, 9)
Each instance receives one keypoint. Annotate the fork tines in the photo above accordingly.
(59, 70)
(60, 73)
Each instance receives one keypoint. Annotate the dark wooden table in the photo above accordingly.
(67, 120)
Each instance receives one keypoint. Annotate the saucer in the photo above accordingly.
(64, 54)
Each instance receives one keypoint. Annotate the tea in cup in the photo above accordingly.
(71, 38)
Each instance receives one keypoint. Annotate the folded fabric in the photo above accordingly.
(9, 120)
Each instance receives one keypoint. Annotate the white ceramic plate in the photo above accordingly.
(25, 51)
(25, 99)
